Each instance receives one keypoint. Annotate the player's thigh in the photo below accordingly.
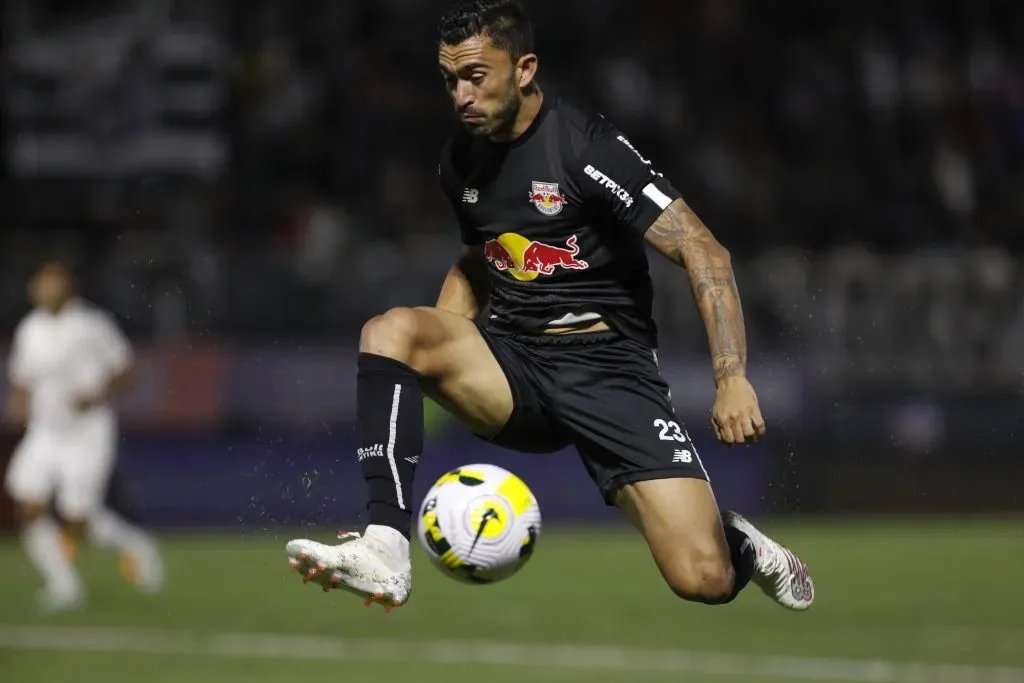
(680, 521)
(457, 367)
(643, 460)
(87, 460)
(29, 478)
(616, 405)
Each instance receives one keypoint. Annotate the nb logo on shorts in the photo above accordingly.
(470, 195)
(682, 456)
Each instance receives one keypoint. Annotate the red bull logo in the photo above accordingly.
(526, 259)
(546, 197)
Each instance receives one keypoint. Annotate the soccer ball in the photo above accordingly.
(479, 524)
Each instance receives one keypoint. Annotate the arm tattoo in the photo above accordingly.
(681, 236)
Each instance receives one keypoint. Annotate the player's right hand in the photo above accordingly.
(736, 416)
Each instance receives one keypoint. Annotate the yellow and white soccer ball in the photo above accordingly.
(479, 523)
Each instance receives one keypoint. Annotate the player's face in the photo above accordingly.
(50, 287)
(485, 84)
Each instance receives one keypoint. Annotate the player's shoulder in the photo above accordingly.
(582, 125)
(91, 313)
(28, 322)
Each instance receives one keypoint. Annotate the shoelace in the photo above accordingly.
(372, 543)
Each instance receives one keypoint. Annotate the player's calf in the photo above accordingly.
(389, 417)
(397, 352)
(41, 538)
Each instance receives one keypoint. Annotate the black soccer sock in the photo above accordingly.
(741, 551)
(389, 437)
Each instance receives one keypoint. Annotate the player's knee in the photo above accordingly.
(701, 577)
(393, 334)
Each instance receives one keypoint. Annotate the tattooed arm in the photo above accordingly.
(681, 236)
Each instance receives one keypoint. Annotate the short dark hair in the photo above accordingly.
(503, 21)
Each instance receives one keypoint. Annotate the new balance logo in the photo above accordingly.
(413, 460)
(374, 451)
(470, 195)
(682, 455)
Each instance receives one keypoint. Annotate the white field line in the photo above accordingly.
(316, 648)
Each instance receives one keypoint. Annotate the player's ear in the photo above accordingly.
(526, 70)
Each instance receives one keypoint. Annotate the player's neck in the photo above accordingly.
(58, 307)
(528, 111)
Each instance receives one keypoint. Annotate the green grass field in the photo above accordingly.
(895, 601)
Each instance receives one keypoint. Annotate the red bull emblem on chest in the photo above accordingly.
(526, 259)
(546, 197)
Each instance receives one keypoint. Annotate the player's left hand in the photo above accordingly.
(736, 416)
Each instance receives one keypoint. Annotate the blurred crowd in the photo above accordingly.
(258, 166)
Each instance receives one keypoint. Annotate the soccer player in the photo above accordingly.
(68, 361)
(555, 206)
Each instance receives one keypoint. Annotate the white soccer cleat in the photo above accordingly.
(151, 571)
(51, 601)
(777, 571)
(359, 564)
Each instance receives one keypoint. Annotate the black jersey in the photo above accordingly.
(561, 212)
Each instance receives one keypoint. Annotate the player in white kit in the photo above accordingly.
(68, 361)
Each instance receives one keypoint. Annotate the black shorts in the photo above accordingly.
(600, 392)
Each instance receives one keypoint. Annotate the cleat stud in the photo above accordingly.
(397, 603)
(387, 610)
(336, 579)
(293, 564)
(378, 596)
(320, 567)
(303, 556)
(311, 573)
(368, 602)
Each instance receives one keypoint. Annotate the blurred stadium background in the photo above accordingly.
(243, 184)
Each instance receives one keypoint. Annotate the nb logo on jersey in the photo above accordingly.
(470, 195)
(682, 456)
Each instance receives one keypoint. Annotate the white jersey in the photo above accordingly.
(58, 358)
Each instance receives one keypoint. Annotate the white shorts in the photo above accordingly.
(72, 467)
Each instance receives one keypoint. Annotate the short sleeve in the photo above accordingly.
(621, 183)
(450, 185)
(17, 361)
(114, 348)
